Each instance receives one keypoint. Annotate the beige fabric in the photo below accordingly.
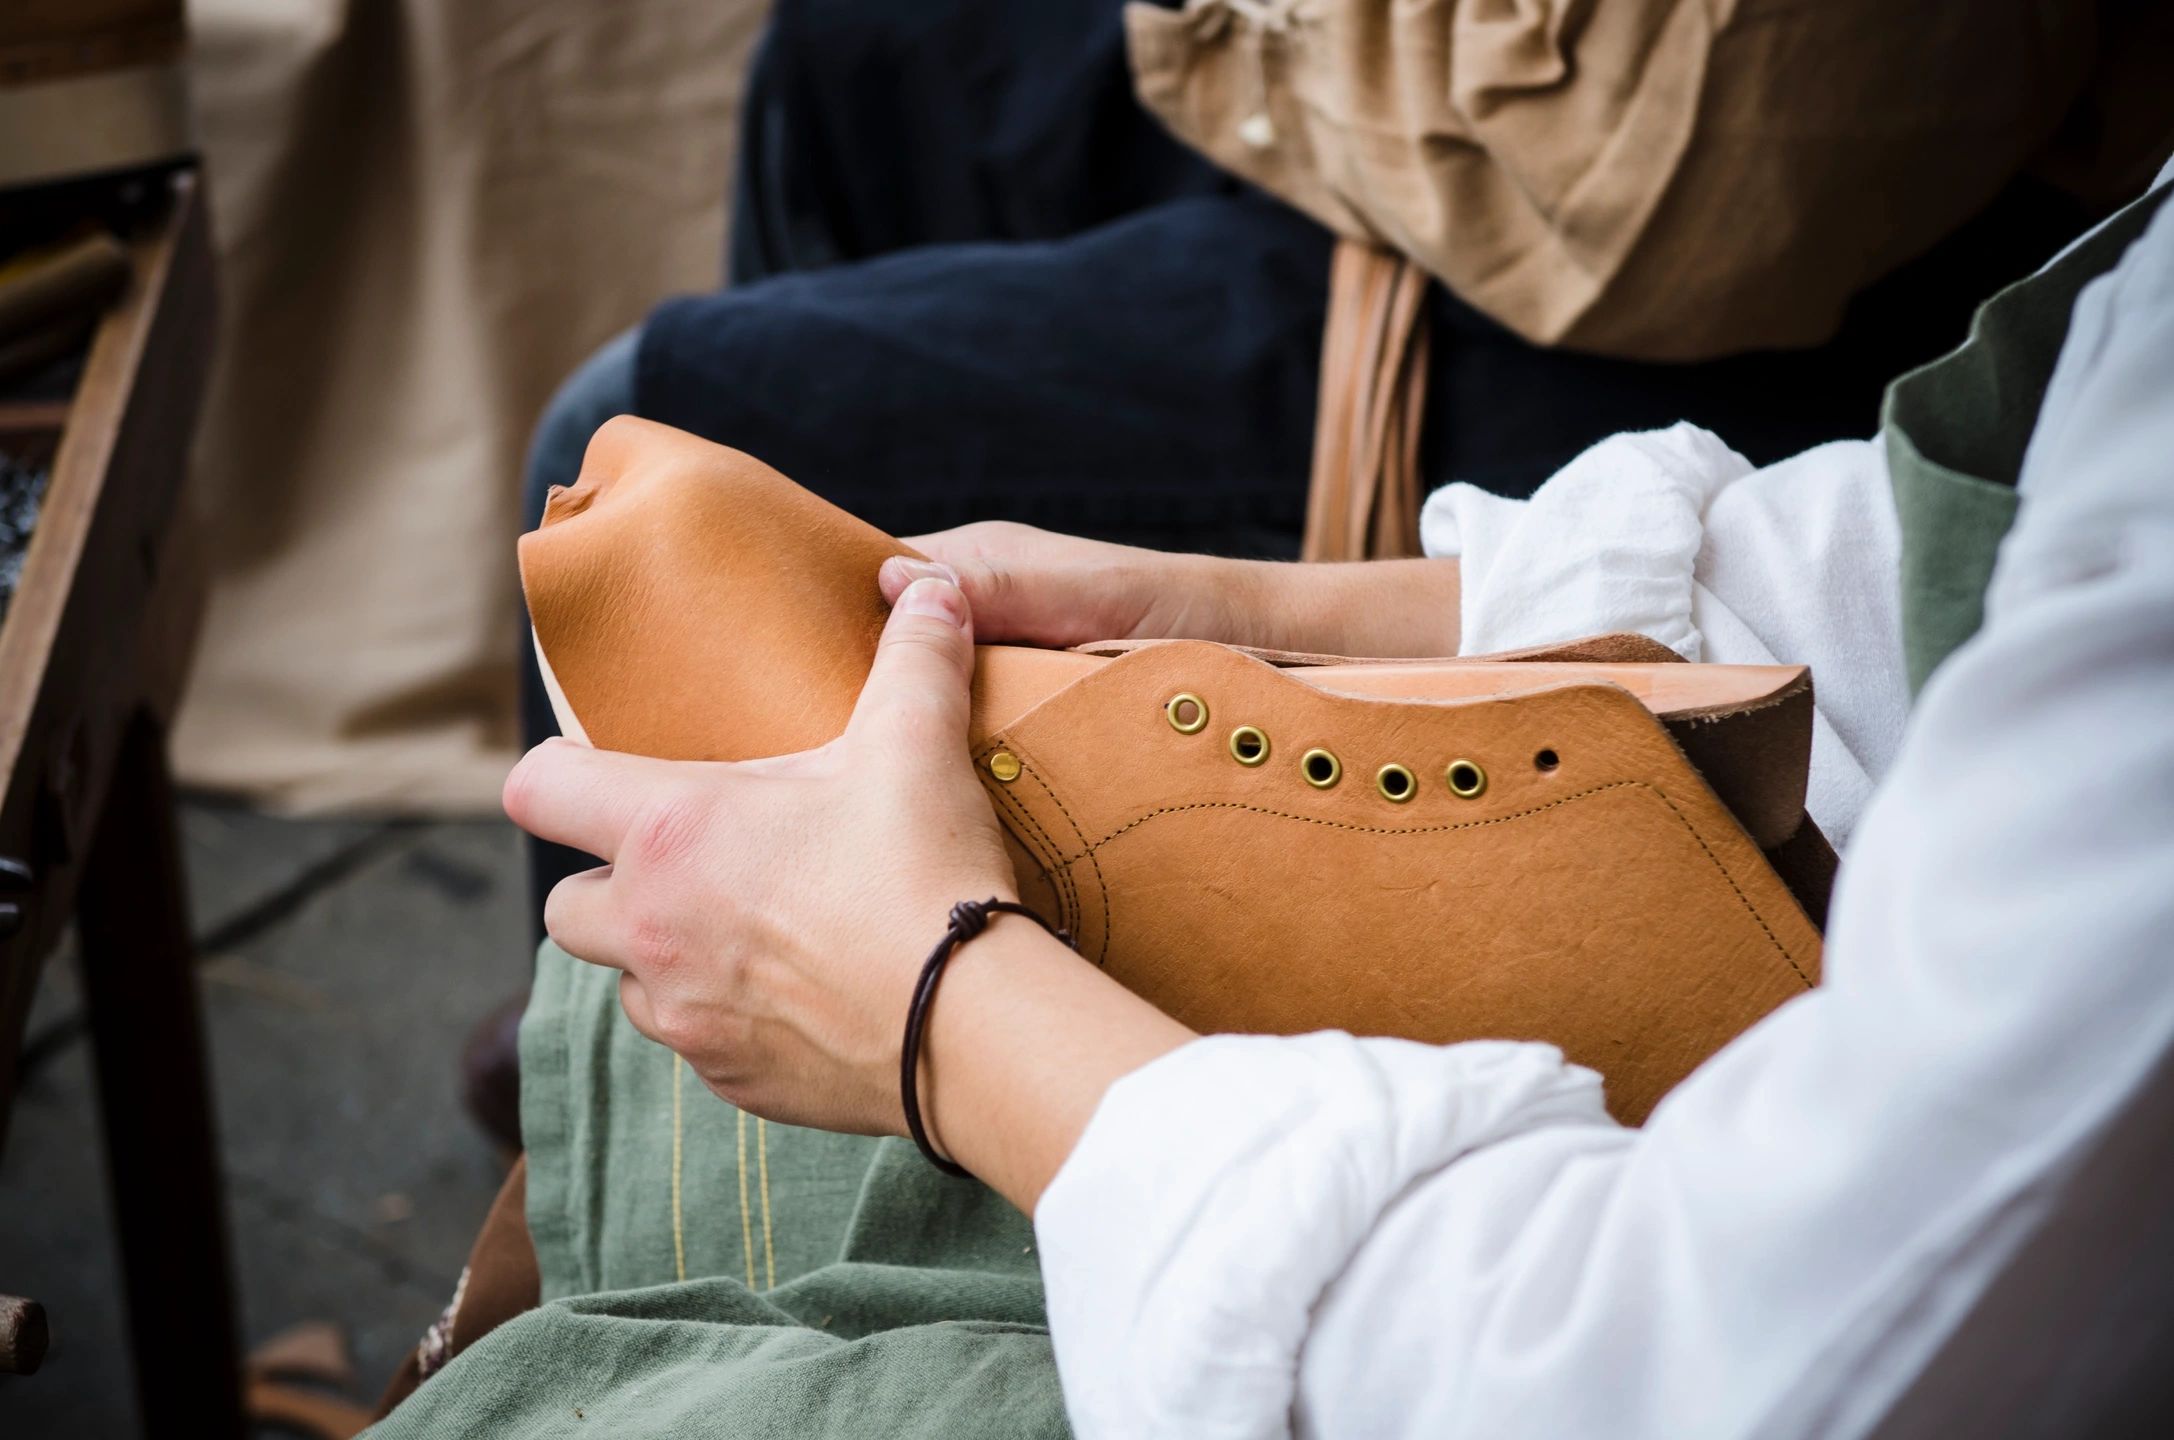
(1664, 179)
(427, 213)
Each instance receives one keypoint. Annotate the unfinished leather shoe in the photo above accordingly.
(1512, 846)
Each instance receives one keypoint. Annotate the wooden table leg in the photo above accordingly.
(162, 1151)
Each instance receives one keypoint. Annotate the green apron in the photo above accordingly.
(1956, 430)
(707, 1273)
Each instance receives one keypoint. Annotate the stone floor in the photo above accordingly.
(344, 962)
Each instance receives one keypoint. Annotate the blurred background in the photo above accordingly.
(421, 217)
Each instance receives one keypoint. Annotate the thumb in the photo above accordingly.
(919, 692)
(1034, 606)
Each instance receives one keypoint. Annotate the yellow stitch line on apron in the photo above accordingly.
(769, 1244)
(679, 1234)
(747, 1231)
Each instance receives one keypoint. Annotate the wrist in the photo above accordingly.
(1023, 1039)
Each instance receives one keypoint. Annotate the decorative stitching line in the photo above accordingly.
(1060, 875)
(1660, 794)
(762, 1161)
(747, 1231)
(1000, 795)
(1102, 884)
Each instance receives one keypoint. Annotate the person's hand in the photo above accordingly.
(769, 917)
(1035, 587)
(769, 920)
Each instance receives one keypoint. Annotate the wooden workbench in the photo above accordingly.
(92, 655)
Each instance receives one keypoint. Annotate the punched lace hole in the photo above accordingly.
(1396, 783)
(1546, 760)
(1321, 768)
(1187, 713)
(1466, 779)
(1249, 745)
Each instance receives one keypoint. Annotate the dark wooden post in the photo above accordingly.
(154, 1089)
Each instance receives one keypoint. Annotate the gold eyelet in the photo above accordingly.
(1249, 745)
(1174, 711)
(1321, 768)
(1396, 783)
(1466, 779)
(1004, 766)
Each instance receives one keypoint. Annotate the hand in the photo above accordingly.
(1035, 587)
(770, 918)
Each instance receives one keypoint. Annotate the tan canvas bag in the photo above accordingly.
(1656, 179)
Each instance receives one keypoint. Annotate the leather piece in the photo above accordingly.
(692, 603)
(1363, 495)
(1610, 904)
(714, 610)
(698, 605)
(500, 1281)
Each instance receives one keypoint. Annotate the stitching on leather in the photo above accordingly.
(1681, 819)
(1060, 874)
(1102, 951)
(1053, 862)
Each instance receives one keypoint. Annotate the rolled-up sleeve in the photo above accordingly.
(1672, 535)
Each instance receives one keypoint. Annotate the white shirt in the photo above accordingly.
(1340, 1237)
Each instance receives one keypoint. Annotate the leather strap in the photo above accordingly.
(1363, 498)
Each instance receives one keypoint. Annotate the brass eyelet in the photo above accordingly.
(1005, 766)
(1396, 783)
(1249, 745)
(1187, 713)
(1466, 779)
(1321, 768)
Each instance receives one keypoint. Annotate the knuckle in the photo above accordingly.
(667, 833)
(926, 635)
(655, 947)
(675, 1025)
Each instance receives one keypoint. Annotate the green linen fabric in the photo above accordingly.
(904, 1302)
(1956, 430)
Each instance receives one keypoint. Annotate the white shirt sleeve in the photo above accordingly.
(1672, 535)
(1342, 1237)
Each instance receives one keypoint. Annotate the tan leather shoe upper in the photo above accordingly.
(1502, 847)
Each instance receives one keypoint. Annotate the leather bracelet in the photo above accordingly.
(968, 919)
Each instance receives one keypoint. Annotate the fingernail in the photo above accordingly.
(909, 569)
(935, 597)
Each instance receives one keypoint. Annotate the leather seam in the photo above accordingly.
(1681, 819)
(1053, 862)
(1060, 874)
(1102, 884)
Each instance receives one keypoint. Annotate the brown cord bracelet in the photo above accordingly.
(968, 919)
